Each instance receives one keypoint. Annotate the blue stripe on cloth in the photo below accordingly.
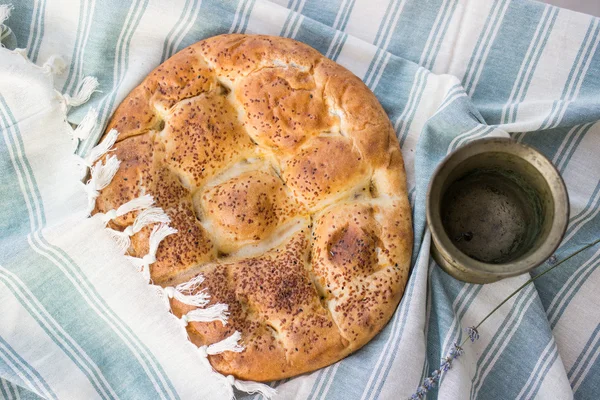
(577, 367)
(499, 71)
(569, 290)
(11, 205)
(572, 142)
(537, 54)
(583, 375)
(485, 40)
(408, 40)
(453, 331)
(549, 141)
(16, 149)
(320, 387)
(505, 351)
(55, 332)
(109, 346)
(113, 63)
(25, 394)
(292, 26)
(244, 16)
(534, 383)
(86, 14)
(22, 372)
(445, 327)
(337, 50)
(558, 290)
(438, 31)
(576, 75)
(398, 324)
(493, 374)
(291, 19)
(186, 20)
(584, 103)
(313, 34)
(398, 75)
(212, 17)
(20, 20)
(8, 389)
(345, 16)
(5, 386)
(53, 297)
(152, 368)
(586, 219)
(528, 65)
(326, 12)
(107, 105)
(37, 30)
(404, 121)
(376, 68)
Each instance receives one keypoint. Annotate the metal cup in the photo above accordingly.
(495, 208)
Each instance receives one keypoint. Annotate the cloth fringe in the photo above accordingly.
(159, 232)
(216, 312)
(87, 125)
(102, 148)
(5, 10)
(139, 203)
(147, 217)
(185, 292)
(252, 387)
(101, 175)
(230, 343)
(55, 65)
(87, 87)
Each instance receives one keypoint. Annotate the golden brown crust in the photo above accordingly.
(282, 174)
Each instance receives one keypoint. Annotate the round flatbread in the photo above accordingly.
(283, 176)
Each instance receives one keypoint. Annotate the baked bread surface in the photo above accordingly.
(283, 176)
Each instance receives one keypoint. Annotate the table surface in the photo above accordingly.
(591, 7)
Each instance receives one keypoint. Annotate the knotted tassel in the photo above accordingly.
(252, 387)
(139, 203)
(184, 293)
(55, 65)
(230, 343)
(101, 175)
(216, 312)
(102, 148)
(88, 85)
(159, 232)
(147, 217)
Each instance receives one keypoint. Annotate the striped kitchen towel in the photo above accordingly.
(446, 72)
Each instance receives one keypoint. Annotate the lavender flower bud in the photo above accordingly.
(473, 333)
(456, 351)
(429, 383)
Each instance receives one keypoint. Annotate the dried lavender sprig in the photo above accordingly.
(473, 334)
(430, 382)
(587, 246)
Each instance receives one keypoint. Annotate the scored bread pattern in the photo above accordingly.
(281, 173)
